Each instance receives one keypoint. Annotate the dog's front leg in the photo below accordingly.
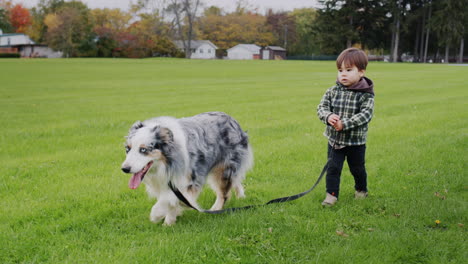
(173, 210)
(158, 212)
(170, 217)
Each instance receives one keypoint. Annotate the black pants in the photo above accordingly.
(355, 156)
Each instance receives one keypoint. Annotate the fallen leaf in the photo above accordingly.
(341, 233)
(370, 229)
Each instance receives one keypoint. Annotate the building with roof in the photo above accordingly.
(22, 44)
(273, 53)
(244, 52)
(201, 49)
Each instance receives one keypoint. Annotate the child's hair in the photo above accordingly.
(352, 57)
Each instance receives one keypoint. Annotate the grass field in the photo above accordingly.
(63, 198)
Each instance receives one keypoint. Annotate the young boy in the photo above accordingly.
(346, 109)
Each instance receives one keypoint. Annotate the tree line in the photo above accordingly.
(417, 30)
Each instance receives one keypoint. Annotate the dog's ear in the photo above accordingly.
(135, 126)
(164, 134)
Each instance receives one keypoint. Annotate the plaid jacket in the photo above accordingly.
(355, 109)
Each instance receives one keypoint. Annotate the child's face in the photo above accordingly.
(349, 75)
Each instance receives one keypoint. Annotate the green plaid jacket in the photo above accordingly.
(355, 110)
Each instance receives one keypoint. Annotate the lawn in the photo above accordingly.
(63, 198)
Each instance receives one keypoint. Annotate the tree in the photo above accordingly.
(70, 30)
(234, 28)
(20, 18)
(427, 32)
(449, 28)
(213, 11)
(108, 24)
(304, 43)
(151, 38)
(283, 27)
(397, 14)
(328, 30)
(184, 14)
(38, 29)
(5, 24)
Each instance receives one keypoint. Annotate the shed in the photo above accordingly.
(14, 39)
(273, 53)
(22, 44)
(201, 49)
(244, 52)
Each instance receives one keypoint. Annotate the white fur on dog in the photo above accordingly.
(188, 151)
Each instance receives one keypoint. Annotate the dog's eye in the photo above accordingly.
(143, 150)
(127, 149)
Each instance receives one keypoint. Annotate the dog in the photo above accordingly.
(188, 152)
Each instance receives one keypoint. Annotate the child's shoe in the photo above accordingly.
(330, 200)
(360, 195)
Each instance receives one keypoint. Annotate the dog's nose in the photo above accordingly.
(126, 169)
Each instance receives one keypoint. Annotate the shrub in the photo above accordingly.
(10, 55)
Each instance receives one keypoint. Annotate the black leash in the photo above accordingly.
(230, 210)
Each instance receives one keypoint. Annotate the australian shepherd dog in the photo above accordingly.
(187, 152)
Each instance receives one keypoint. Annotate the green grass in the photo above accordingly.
(63, 198)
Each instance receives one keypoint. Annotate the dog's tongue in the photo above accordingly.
(137, 177)
(135, 180)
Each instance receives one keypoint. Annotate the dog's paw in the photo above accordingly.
(169, 221)
(240, 195)
(156, 215)
(156, 219)
(239, 192)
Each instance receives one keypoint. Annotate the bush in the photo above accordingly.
(10, 55)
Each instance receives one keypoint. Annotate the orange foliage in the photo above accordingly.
(20, 18)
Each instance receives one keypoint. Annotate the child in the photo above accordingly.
(346, 109)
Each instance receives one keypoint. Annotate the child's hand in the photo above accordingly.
(338, 125)
(332, 119)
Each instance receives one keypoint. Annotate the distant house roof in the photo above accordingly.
(250, 47)
(275, 48)
(194, 44)
(11, 34)
(15, 39)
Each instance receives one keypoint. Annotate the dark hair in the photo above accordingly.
(352, 57)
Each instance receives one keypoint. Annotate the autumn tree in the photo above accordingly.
(145, 38)
(70, 30)
(108, 24)
(185, 13)
(213, 11)
(283, 27)
(38, 28)
(20, 18)
(231, 29)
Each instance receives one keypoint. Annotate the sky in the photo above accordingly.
(227, 5)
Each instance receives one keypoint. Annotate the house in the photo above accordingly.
(273, 53)
(244, 52)
(22, 44)
(201, 49)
